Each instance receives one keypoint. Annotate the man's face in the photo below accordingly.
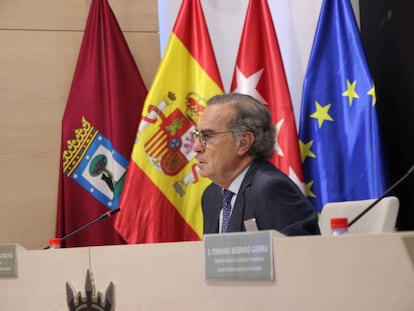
(218, 159)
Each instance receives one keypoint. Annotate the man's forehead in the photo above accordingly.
(217, 112)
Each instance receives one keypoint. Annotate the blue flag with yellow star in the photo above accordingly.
(339, 135)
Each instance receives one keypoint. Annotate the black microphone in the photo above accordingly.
(382, 196)
(103, 216)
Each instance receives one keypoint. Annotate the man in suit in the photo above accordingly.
(233, 141)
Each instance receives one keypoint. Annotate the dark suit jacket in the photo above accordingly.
(268, 195)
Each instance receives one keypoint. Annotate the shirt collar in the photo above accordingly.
(236, 183)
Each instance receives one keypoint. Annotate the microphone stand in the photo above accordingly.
(382, 196)
(103, 216)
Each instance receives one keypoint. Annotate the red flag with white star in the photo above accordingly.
(260, 73)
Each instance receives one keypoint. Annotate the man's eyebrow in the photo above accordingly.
(204, 130)
(207, 131)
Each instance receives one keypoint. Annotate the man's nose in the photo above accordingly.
(197, 146)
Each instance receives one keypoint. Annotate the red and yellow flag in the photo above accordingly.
(161, 200)
(260, 73)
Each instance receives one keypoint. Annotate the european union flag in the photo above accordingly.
(339, 136)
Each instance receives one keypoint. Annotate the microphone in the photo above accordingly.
(382, 196)
(103, 216)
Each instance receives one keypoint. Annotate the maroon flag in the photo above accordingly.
(260, 73)
(98, 130)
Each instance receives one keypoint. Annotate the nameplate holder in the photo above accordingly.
(8, 260)
(239, 256)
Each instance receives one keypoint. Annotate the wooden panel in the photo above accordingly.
(145, 47)
(132, 15)
(37, 69)
(36, 74)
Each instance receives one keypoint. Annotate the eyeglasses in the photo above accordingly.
(203, 137)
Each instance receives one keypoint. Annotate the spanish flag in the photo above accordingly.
(161, 200)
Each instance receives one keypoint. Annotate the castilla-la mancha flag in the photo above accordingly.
(161, 201)
(260, 73)
(98, 130)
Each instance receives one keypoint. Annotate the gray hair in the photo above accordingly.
(250, 116)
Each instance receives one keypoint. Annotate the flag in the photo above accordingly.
(98, 130)
(162, 196)
(259, 72)
(340, 145)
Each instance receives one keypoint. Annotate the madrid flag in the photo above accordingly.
(161, 201)
(260, 73)
(98, 130)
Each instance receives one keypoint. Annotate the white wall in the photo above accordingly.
(295, 23)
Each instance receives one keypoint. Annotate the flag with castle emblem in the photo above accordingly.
(260, 73)
(98, 130)
(161, 201)
(340, 144)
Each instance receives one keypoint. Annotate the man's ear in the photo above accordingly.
(246, 140)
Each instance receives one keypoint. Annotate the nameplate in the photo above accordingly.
(239, 256)
(8, 261)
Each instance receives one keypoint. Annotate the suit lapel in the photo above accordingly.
(237, 217)
(218, 205)
(214, 210)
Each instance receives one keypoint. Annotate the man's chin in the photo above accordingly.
(202, 170)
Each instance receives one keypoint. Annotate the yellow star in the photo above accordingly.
(350, 92)
(308, 187)
(373, 94)
(321, 113)
(305, 150)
